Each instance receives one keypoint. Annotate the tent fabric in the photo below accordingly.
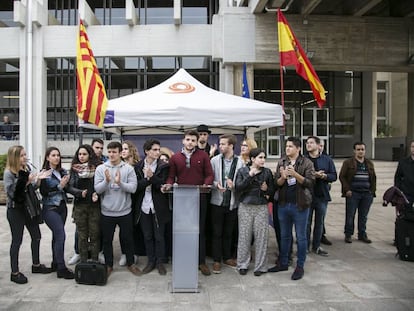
(182, 102)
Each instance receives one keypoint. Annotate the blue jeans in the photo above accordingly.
(360, 201)
(55, 218)
(318, 208)
(289, 215)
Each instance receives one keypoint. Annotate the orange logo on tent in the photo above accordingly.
(181, 87)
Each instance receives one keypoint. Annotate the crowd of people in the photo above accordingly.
(122, 190)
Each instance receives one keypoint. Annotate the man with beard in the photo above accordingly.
(192, 166)
(203, 144)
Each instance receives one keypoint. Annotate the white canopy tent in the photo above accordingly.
(182, 102)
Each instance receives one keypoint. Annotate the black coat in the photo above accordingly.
(161, 204)
(248, 187)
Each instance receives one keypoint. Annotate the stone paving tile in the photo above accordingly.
(408, 303)
(368, 290)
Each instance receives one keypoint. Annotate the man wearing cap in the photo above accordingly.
(203, 144)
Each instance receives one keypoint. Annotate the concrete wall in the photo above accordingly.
(342, 43)
(399, 104)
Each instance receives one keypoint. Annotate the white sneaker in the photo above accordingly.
(135, 259)
(101, 258)
(122, 261)
(74, 260)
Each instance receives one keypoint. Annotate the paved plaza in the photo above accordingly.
(355, 276)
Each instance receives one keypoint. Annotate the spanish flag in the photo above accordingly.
(92, 100)
(291, 53)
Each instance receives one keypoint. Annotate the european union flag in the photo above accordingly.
(245, 85)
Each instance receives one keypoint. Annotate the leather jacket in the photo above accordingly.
(305, 168)
(348, 171)
(248, 187)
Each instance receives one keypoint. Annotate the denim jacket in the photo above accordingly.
(52, 193)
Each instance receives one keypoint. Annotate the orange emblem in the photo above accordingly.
(181, 87)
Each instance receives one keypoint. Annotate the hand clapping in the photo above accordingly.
(64, 181)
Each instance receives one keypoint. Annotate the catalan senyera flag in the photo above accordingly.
(92, 100)
(291, 53)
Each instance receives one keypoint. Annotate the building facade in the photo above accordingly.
(362, 59)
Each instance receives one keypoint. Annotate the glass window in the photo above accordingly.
(9, 94)
(64, 11)
(162, 11)
(383, 121)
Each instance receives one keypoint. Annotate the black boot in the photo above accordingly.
(65, 274)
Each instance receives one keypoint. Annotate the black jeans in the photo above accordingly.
(223, 221)
(154, 237)
(17, 220)
(108, 225)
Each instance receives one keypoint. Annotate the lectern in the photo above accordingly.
(186, 210)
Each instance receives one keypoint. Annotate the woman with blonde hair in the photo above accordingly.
(130, 153)
(17, 177)
(247, 145)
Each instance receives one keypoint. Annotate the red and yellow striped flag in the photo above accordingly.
(92, 100)
(291, 53)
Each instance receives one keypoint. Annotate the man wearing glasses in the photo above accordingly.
(192, 166)
(358, 182)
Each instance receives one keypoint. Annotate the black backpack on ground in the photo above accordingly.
(91, 273)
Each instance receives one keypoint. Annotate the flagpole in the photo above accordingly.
(80, 129)
(282, 99)
(282, 131)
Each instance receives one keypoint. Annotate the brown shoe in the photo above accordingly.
(231, 262)
(161, 269)
(216, 267)
(109, 271)
(204, 269)
(134, 269)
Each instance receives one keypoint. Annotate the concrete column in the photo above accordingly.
(369, 112)
(226, 79)
(32, 92)
(39, 95)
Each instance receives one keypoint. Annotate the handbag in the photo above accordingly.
(33, 205)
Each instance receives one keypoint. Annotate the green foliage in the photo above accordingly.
(384, 130)
(3, 160)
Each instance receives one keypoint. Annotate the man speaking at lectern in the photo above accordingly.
(192, 166)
